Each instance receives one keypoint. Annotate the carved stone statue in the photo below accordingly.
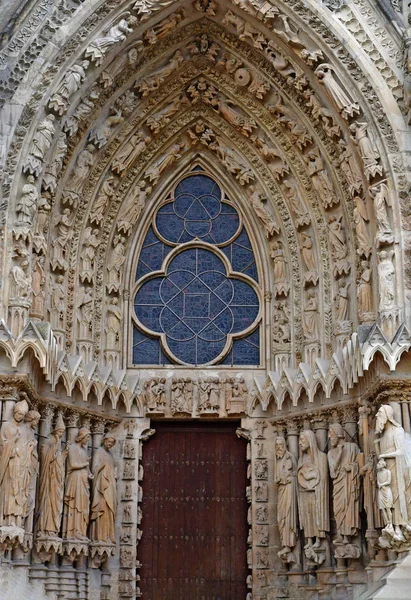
(313, 502)
(386, 280)
(181, 395)
(58, 304)
(361, 219)
(77, 489)
(346, 104)
(382, 200)
(75, 75)
(132, 207)
(391, 447)
(13, 472)
(257, 202)
(345, 475)
(41, 142)
(350, 167)
(102, 132)
(291, 192)
(281, 280)
(38, 283)
(320, 178)
(115, 263)
(281, 324)
(369, 154)
(27, 203)
(51, 489)
(85, 313)
(104, 499)
(310, 316)
(306, 243)
(155, 394)
(286, 480)
(98, 48)
(364, 290)
(338, 244)
(129, 152)
(20, 281)
(235, 395)
(209, 394)
(82, 168)
(342, 304)
(153, 82)
(90, 245)
(113, 325)
(61, 242)
(31, 421)
(53, 168)
(153, 173)
(106, 192)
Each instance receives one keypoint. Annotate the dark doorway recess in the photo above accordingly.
(194, 507)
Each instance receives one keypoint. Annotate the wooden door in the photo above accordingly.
(194, 508)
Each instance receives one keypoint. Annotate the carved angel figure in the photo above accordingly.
(41, 142)
(346, 104)
(115, 35)
(75, 75)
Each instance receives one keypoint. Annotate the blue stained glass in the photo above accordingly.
(197, 212)
(197, 307)
(194, 302)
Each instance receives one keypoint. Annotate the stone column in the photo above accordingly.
(320, 427)
(406, 422)
(349, 423)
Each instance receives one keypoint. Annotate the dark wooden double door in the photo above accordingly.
(194, 508)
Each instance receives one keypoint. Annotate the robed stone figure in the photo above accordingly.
(104, 500)
(14, 474)
(313, 494)
(286, 480)
(77, 489)
(51, 489)
(345, 475)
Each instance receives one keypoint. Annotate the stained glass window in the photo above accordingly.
(192, 302)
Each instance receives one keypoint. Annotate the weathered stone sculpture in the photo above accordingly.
(313, 504)
(31, 421)
(40, 144)
(13, 474)
(286, 480)
(51, 490)
(344, 472)
(391, 447)
(77, 489)
(104, 499)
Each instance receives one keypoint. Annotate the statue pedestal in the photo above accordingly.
(46, 546)
(100, 552)
(73, 549)
(11, 537)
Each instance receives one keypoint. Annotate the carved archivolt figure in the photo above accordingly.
(350, 167)
(346, 104)
(106, 192)
(58, 302)
(281, 331)
(313, 505)
(51, 490)
(41, 142)
(319, 176)
(77, 489)
(132, 207)
(116, 34)
(281, 283)
(307, 253)
(116, 261)
(129, 152)
(232, 116)
(382, 200)
(20, 281)
(154, 172)
(337, 238)
(361, 219)
(153, 82)
(113, 325)
(386, 280)
(291, 192)
(14, 458)
(85, 313)
(344, 471)
(364, 289)
(104, 500)
(26, 205)
(84, 163)
(286, 480)
(53, 168)
(256, 201)
(72, 81)
(38, 282)
(342, 304)
(102, 132)
(391, 446)
(310, 316)
(369, 154)
(165, 27)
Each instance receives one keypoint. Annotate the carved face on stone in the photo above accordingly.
(59, 433)
(333, 438)
(109, 442)
(381, 419)
(279, 447)
(304, 443)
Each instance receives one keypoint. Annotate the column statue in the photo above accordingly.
(285, 478)
(77, 492)
(13, 474)
(104, 501)
(51, 491)
(313, 494)
(345, 475)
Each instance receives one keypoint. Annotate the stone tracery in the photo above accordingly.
(240, 88)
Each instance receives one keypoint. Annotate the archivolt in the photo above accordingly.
(244, 90)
